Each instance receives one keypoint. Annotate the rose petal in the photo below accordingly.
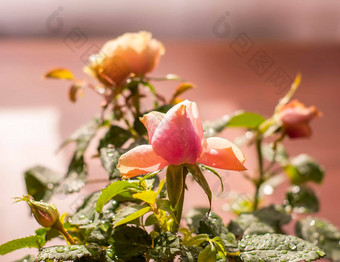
(151, 121)
(221, 153)
(140, 160)
(177, 139)
(298, 130)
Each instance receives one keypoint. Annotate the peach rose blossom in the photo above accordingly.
(136, 53)
(177, 138)
(295, 118)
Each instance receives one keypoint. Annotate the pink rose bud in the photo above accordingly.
(46, 214)
(136, 53)
(295, 118)
(177, 138)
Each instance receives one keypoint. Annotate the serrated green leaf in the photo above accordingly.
(174, 183)
(219, 245)
(164, 205)
(60, 73)
(166, 247)
(129, 214)
(211, 225)
(41, 181)
(266, 220)
(72, 252)
(194, 216)
(77, 171)
(208, 254)
(30, 241)
(321, 233)
(302, 199)
(111, 191)
(197, 240)
(276, 247)
(200, 179)
(86, 212)
(303, 168)
(109, 157)
(149, 196)
(129, 242)
(246, 120)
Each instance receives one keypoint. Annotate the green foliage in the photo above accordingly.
(111, 191)
(130, 213)
(72, 252)
(266, 220)
(302, 199)
(276, 247)
(200, 179)
(175, 178)
(321, 233)
(130, 242)
(303, 169)
(31, 241)
(165, 247)
(41, 182)
(208, 254)
(246, 119)
(110, 149)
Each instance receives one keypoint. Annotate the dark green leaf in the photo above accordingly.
(174, 183)
(200, 179)
(246, 120)
(72, 252)
(115, 136)
(211, 225)
(166, 247)
(303, 168)
(302, 199)
(266, 220)
(321, 233)
(276, 247)
(31, 241)
(40, 182)
(151, 220)
(208, 254)
(190, 254)
(85, 213)
(130, 242)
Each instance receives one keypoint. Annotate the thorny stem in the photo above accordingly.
(261, 172)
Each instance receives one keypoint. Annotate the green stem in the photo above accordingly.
(261, 172)
(59, 226)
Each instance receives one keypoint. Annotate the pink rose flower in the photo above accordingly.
(177, 138)
(295, 118)
(136, 53)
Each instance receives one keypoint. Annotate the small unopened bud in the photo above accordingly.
(46, 214)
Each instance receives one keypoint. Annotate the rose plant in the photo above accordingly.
(138, 216)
